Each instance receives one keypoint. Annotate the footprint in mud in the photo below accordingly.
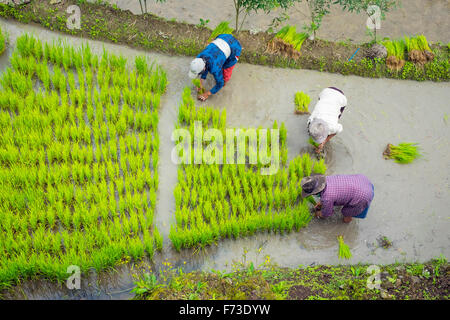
(322, 234)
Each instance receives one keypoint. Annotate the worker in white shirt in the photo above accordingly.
(323, 122)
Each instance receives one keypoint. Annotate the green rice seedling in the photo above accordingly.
(423, 43)
(2, 41)
(141, 64)
(302, 101)
(403, 152)
(163, 82)
(344, 250)
(306, 164)
(313, 143)
(320, 167)
(222, 28)
(197, 83)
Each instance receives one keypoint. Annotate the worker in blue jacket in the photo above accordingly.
(218, 58)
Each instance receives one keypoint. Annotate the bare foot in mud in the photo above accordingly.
(347, 219)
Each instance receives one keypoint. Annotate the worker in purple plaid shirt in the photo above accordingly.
(354, 192)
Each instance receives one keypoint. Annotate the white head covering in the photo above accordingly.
(319, 130)
(197, 66)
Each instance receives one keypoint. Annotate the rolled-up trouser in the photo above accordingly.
(227, 73)
(363, 214)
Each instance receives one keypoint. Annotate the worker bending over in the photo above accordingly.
(323, 121)
(354, 192)
(219, 59)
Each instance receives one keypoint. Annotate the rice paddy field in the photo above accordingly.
(87, 176)
(79, 159)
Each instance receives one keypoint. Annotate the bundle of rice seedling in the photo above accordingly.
(418, 50)
(344, 250)
(302, 101)
(403, 153)
(287, 42)
(222, 28)
(198, 84)
(395, 54)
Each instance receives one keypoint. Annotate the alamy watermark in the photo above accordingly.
(190, 149)
(374, 280)
(74, 20)
(74, 281)
(374, 19)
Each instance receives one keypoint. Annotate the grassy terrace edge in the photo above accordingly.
(157, 34)
(399, 281)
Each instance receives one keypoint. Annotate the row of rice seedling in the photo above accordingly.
(78, 175)
(3, 39)
(220, 201)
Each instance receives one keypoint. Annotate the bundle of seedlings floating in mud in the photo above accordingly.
(302, 101)
(287, 42)
(217, 200)
(418, 50)
(344, 249)
(79, 155)
(222, 28)
(403, 153)
(395, 59)
(2, 41)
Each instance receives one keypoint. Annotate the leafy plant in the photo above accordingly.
(203, 23)
(317, 10)
(357, 6)
(247, 6)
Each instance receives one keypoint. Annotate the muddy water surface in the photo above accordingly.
(413, 17)
(411, 201)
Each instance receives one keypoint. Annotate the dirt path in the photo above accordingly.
(415, 16)
(411, 201)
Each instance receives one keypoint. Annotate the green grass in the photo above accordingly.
(78, 160)
(222, 28)
(302, 101)
(404, 152)
(250, 280)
